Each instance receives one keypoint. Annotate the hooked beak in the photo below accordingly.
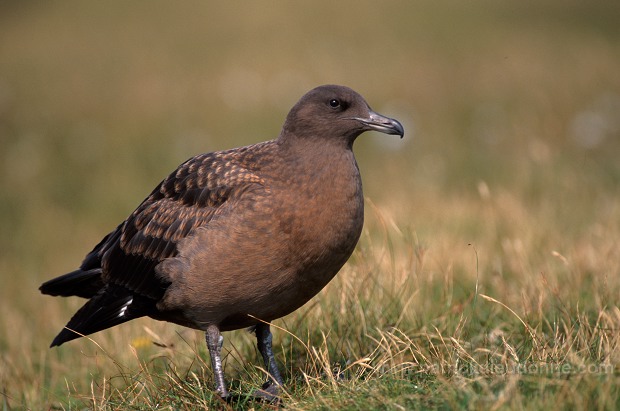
(382, 124)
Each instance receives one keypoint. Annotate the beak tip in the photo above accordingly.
(398, 128)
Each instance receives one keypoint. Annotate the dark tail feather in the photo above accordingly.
(112, 306)
(80, 283)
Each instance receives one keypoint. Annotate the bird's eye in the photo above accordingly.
(334, 103)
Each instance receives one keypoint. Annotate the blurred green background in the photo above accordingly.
(101, 100)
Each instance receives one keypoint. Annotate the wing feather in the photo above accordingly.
(184, 201)
(118, 275)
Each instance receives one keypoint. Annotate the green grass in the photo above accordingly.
(488, 273)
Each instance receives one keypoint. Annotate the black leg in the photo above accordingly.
(214, 344)
(263, 341)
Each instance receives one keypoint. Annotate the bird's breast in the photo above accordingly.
(324, 214)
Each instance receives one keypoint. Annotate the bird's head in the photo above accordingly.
(335, 113)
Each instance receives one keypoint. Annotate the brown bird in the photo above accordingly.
(236, 238)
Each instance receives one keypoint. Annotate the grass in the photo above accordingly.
(487, 276)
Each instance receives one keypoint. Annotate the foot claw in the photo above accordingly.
(269, 392)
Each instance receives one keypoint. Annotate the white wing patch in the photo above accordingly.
(123, 309)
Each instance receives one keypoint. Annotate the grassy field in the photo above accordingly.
(488, 273)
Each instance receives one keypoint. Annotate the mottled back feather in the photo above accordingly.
(187, 199)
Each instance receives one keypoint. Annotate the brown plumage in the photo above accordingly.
(235, 235)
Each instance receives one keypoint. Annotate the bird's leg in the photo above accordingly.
(214, 344)
(270, 389)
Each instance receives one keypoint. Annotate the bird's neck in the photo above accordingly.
(323, 146)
